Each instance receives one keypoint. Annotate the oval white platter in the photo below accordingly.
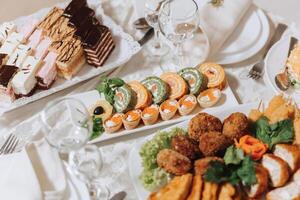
(125, 48)
(275, 63)
(135, 162)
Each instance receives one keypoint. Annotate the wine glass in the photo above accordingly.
(67, 127)
(178, 21)
(152, 8)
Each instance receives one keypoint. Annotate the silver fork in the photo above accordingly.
(257, 70)
(9, 145)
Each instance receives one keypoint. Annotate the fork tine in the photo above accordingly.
(12, 149)
(9, 146)
(6, 143)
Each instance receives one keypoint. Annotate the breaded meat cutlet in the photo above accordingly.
(202, 123)
(213, 142)
(173, 162)
(235, 126)
(185, 146)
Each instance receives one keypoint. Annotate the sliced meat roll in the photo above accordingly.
(290, 154)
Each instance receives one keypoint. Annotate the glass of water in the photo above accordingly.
(152, 9)
(178, 21)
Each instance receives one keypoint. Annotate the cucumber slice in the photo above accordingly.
(196, 81)
(158, 88)
(125, 99)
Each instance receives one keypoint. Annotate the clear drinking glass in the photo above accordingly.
(178, 21)
(152, 8)
(67, 127)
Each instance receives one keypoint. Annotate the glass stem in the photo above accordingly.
(179, 52)
(157, 42)
(92, 190)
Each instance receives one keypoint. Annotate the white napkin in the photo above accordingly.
(219, 22)
(35, 173)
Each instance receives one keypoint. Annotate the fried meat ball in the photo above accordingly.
(185, 146)
(213, 142)
(173, 162)
(201, 165)
(202, 123)
(235, 126)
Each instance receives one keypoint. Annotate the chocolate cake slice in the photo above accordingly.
(81, 16)
(73, 7)
(7, 72)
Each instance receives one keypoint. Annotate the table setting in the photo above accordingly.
(149, 99)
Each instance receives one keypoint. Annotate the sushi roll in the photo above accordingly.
(177, 84)
(113, 123)
(150, 114)
(196, 81)
(209, 97)
(101, 109)
(157, 87)
(168, 109)
(125, 99)
(187, 104)
(132, 119)
(144, 98)
(215, 74)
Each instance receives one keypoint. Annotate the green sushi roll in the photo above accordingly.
(158, 88)
(196, 81)
(125, 99)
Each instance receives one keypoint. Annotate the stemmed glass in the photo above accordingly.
(152, 9)
(178, 21)
(67, 127)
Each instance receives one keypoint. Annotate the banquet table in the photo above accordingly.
(115, 152)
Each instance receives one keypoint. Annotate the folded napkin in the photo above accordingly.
(33, 174)
(219, 22)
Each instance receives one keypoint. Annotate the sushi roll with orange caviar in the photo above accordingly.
(150, 114)
(168, 109)
(132, 119)
(114, 123)
(209, 97)
(187, 104)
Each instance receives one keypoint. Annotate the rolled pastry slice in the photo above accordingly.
(177, 84)
(150, 114)
(113, 123)
(209, 97)
(215, 74)
(144, 98)
(125, 99)
(168, 109)
(101, 109)
(187, 104)
(132, 119)
(157, 87)
(196, 81)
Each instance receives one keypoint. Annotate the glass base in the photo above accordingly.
(98, 191)
(172, 62)
(157, 49)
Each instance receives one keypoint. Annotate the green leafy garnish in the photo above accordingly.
(237, 168)
(217, 3)
(233, 155)
(280, 132)
(152, 176)
(98, 128)
(107, 86)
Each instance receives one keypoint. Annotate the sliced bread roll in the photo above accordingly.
(290, 154)
(277, 168)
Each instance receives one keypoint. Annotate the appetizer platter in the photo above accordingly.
(134, 106)
(283, 67)
(56, 48)
(243, 152)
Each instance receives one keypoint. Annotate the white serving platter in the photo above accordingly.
(125, 48)
(275, 63)
(135, 162)
(33, 125)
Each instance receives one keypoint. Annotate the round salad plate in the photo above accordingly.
(248, 38)
(275, 63)
(135, 161)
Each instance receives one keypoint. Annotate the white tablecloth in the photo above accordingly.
(115, 172)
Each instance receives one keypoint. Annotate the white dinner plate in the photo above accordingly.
(247, 39)
(135, 162)
(275, 63)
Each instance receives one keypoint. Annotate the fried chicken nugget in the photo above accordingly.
(213, 142)
(235, 126)
(210, 191)
(201, 165)
(185, 146)
(177, 189)
(202, 123)
(173, 162)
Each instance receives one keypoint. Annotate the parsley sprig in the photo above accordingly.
(98, 128)
(108, 87)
